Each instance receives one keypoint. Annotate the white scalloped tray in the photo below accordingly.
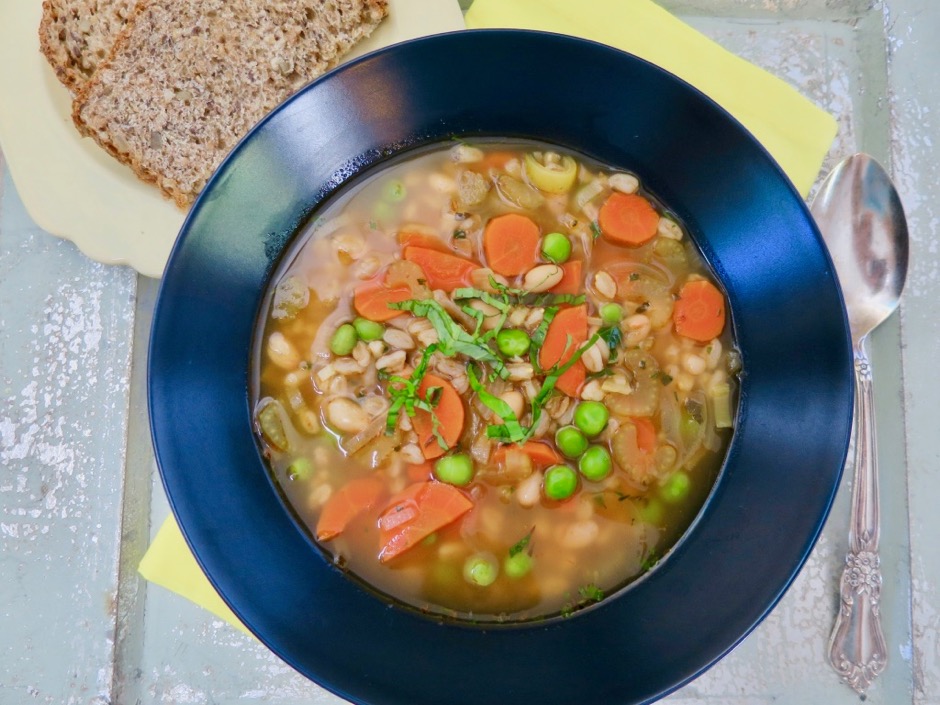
(71, 187)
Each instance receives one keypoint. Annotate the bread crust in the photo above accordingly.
(75, 36)
(186, 79)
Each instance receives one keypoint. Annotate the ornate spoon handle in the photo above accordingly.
(857, 649)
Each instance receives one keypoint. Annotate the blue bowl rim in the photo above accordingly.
(195, 534)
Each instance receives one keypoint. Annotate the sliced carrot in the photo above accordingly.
(421, 472)
(494, 160)
(416, 512)
(449, 412)
(627, 219)
(443, 270)
(645, 434)
(372, 297)
(566, 333)
(511, 244)
(571, 279)
(699, 312)
(414, 238)
(541, 454)
(356, 496)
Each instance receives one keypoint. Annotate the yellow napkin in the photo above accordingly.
(169, 562)
(793, 130)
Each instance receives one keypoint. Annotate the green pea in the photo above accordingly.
(382, 212)
(560, 482)
(394, 191)
(570, 441)
(676, 487)
(650, 511)
(611, 314)
(480, 569)
(556, 248)
(595, 464)
(591, 417)
(512, 342)
(343, 340)
(517, 566)
(456, 469)
(299, 469)
(368, 330)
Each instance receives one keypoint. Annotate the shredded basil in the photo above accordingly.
(452, 338)
(521, 545)
(595, 229)
(514, 431)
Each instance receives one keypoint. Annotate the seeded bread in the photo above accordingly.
(77, 35)
(186, 79)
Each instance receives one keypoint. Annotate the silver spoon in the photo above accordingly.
(861, 219)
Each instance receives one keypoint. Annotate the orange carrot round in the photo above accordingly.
(372, 297)
(541, 454)
(566, 333)
(416, 512)
(571, 279)
(699, 312)
(511, 244)
(346, 503)
(627, 219)
(413, 237)
(443, 270)
(450, 415)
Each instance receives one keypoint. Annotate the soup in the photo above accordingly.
(495, 382)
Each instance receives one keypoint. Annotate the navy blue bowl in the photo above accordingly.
(793, 423)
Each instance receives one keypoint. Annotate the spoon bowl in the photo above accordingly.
(862, 221)
(861, 218)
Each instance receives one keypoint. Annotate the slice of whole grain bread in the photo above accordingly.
(77, 35)
(186, 79)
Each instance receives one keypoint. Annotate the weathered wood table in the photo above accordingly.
(80, 496)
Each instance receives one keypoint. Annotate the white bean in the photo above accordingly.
(638, 327)
(625, 183)
(350, 243)
(346, 366)
(694, 364)
(398, 339)
(392, 362)
(592, 391)
(528, 490)
(515, 400)
(542, 277)
(520, 371)
(366, 267)
(579, 534)
(346, 415)
(282, 352)
(592, 359)
(442, 184)
(361, 354)
(465, 154)
(669, 228)
(617, 384)
(326, 373)
(412, 454)
(491, 313)
(713, 353)
(605, 285)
